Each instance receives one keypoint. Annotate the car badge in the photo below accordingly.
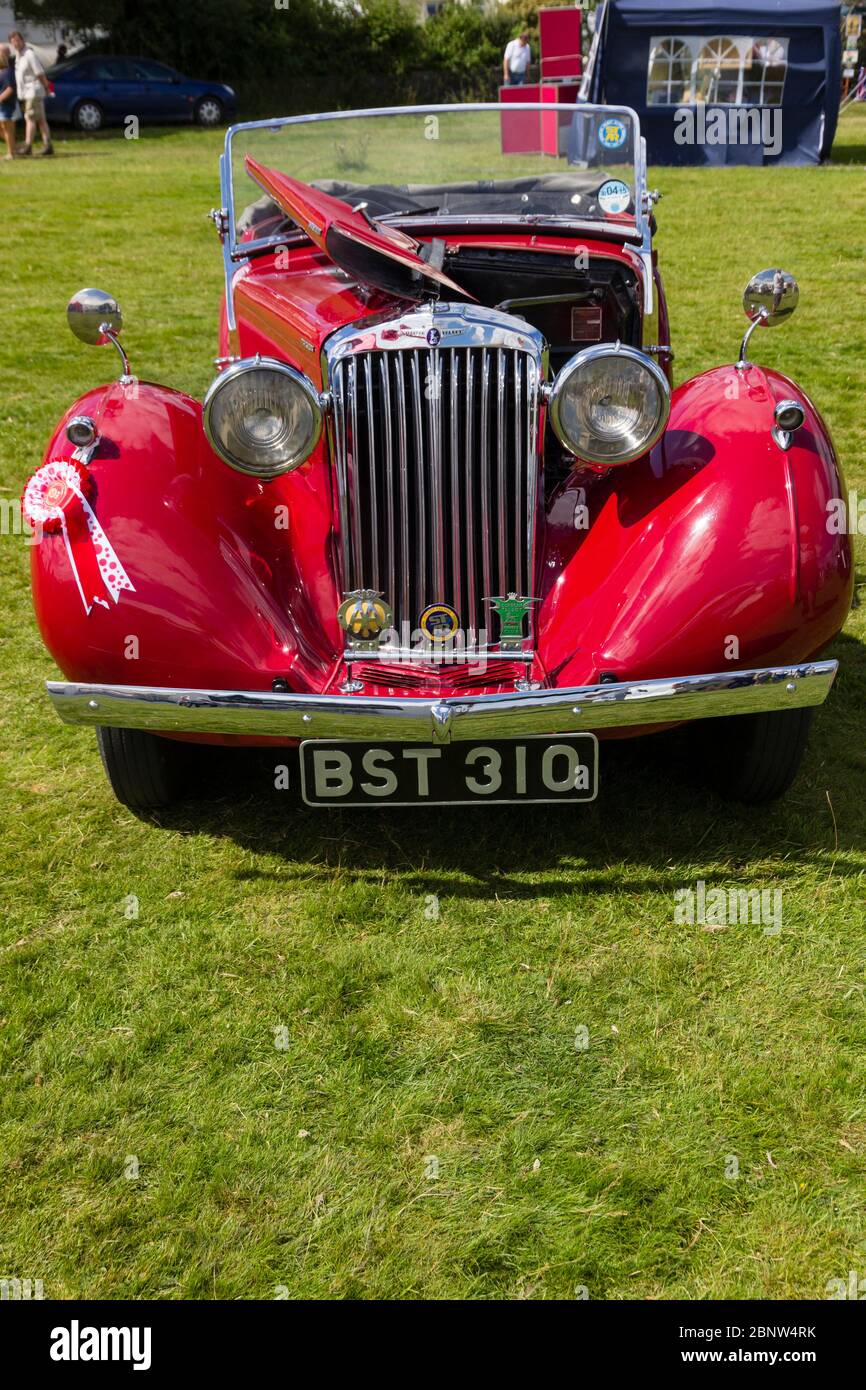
(364, 616)
(434, 337)
(511, 609)
(612, 133)
(614, 197)
(439, 622)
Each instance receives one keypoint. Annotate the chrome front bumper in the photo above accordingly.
(471, 717)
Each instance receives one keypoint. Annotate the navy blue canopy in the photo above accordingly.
(742, 82)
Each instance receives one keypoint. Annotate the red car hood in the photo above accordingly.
(380, 255)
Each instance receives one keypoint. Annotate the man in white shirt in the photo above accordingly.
(516, 60)
(32, 85)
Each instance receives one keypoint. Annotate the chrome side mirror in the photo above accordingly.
(91, 313)
(771, 296)
(769, 299)
(95, 318)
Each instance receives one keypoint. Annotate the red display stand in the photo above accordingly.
(559, 30)
(536, 132)
(539, 132)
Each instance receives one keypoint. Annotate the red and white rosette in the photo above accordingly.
(56, 499)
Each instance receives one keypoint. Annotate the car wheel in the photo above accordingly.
(88, 116)
(145, 771)
(755, 757)
(209, 112)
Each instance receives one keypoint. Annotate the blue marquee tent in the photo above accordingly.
(742, 82)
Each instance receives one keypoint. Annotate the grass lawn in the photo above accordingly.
(341, 1055)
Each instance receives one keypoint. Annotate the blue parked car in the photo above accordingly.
(93, 91)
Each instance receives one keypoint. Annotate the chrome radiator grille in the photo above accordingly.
(435, 451)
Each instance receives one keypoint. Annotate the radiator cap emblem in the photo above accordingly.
(364, 616)
(439, 622)
(511, 610)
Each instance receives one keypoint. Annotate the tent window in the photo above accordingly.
(669, 73)
(717, 73)
(764, 81)
(721, 70)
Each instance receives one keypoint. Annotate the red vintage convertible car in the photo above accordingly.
(441, 519)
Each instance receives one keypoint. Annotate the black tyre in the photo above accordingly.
(88, 116)
(209, 112)
(755, 757)
(145, 771)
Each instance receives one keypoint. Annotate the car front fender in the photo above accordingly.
(215, 587)
(713, 548)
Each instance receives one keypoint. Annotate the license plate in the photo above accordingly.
(533, 769)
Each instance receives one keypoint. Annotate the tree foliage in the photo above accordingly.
(300, 55)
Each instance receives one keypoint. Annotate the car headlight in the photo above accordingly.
(262, 417)
(609, 404)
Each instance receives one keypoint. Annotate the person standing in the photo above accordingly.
(516, 60)
(8, 101)
(32, 85)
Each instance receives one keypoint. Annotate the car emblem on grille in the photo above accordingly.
(439, 622)
(434, 336)
(511, 609)
(364, 616)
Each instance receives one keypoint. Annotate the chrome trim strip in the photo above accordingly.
(426, 720)
(227, 237)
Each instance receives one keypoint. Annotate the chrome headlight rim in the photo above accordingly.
(241, 368)
(613, 351)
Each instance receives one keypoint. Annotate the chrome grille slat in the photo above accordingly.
(471, 589)
(436, 460)
(454, 429)
(433, 394)
(352, 470)
(403, 450)
(340, 457)
(388, 479)
(502, 495)
(371, 470)
(484, 470)
(518, 476)
(420, 573)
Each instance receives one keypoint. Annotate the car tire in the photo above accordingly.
(755, 757)
(209, 112)
(88, 116)
(146, 772)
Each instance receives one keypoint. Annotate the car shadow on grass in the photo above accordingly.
(653, 810)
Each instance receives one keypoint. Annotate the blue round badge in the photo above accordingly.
(614, 196)
(612, 133)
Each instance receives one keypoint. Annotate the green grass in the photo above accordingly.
(411, 1038)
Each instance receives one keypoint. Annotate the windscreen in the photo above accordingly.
(514, 160)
